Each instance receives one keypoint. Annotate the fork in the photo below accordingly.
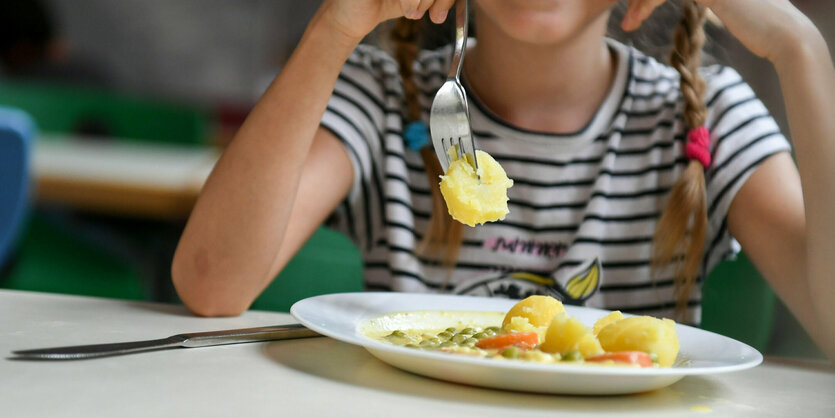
(449, 117)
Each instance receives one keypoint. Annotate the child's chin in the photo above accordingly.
(539, 33)
(540, 27)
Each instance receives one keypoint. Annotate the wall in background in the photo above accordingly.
(188, 50)
(197, 50)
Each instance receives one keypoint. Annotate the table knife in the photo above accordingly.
(189, 340)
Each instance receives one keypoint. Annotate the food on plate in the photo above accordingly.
(606, 320)
(629, 357)
(642, 333)
(532, 314)
(517, 339)
(536, 329)
(472, 197)
(567, 334)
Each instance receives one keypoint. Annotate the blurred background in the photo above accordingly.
(112, 114)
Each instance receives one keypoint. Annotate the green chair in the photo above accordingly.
(67, 109)
(50, 259)
(328, 263)
(738, 303)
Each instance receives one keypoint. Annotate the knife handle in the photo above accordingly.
(235, 336)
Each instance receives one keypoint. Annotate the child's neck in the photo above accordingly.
(554, 88)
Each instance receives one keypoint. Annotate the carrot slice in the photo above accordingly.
(521, 339)
(629, 357)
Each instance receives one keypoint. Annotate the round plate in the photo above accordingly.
(341, 316)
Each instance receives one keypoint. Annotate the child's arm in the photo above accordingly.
(794, 248)
(283, 174)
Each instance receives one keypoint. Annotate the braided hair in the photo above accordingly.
(680, 233)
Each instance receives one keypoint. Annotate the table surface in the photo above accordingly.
(121, 177)
(316, 376)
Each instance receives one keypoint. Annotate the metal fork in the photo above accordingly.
(449, 117)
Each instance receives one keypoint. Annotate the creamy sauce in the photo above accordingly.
(457, 333)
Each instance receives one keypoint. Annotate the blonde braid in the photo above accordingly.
(443, 236)
(687, 205)
(405, 35)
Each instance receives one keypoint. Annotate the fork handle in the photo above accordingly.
(461, 23)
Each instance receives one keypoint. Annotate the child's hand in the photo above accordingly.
(771, 29)
(637, 12)
(357, 18)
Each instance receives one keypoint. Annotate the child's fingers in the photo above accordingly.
(637, 12)
(410, 8)
(440, 9)
(420, 9)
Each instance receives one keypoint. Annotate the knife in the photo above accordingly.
(189, 340)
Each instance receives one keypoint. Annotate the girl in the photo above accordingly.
(632, 178)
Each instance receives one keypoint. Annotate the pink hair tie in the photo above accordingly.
(698, 145)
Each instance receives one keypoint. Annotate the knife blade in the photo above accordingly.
(187, 340)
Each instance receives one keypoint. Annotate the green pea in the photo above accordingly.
(490, 332)
(653, 357)
(451, 330)
(411, 345)
(459, 338)
(510, 352)
(398, 334)
(445, 335)
(480, 335)
(446, 344)
(470, 341)
(427, 343)
(572, 355)
(494, 329)
(469, 331)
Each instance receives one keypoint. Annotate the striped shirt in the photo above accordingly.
(584, 205)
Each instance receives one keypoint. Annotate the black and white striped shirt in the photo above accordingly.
(583, 207)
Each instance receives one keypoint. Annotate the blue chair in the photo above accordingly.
(17, 133)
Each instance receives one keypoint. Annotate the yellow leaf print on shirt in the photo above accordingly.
(584, 283)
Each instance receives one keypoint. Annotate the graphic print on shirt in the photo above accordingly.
(525, 247)
(572, 287)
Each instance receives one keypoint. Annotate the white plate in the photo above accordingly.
(341, 316)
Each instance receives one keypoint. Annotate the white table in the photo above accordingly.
(315, 376)
(121, 177)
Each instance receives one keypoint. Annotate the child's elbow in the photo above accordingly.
(200, 293)
(208, 306)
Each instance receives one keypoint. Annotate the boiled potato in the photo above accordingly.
(566, 334)
(606, 320)
(642, 333)
(472, 201)
(532, 312)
